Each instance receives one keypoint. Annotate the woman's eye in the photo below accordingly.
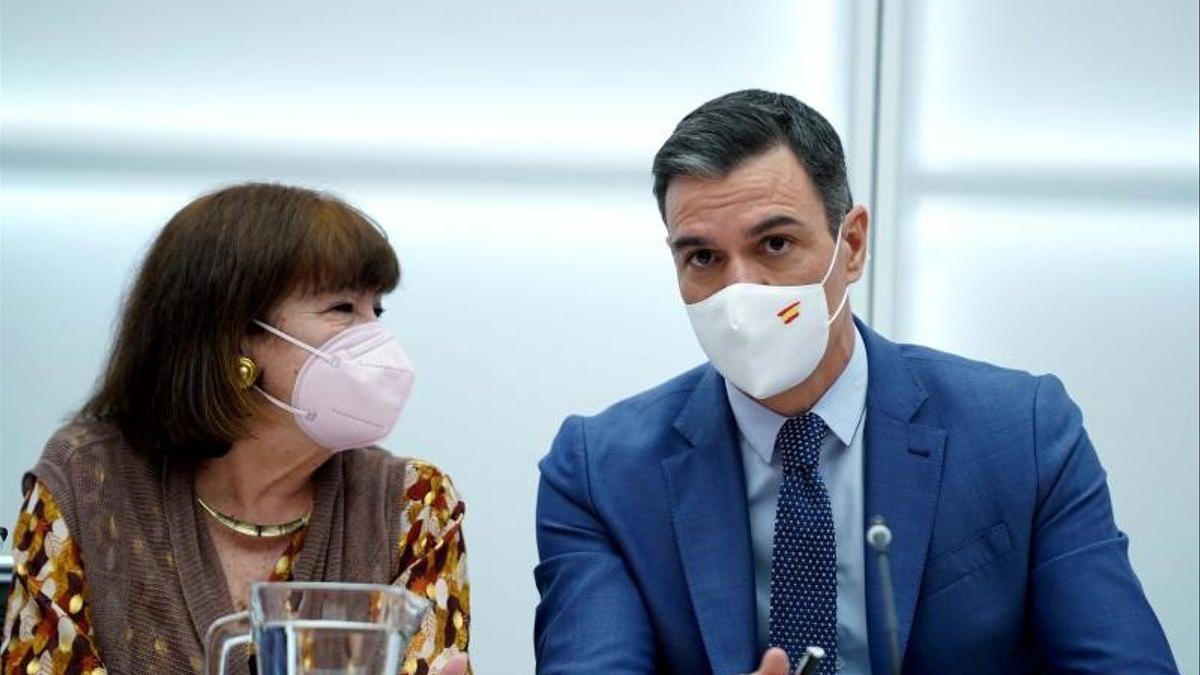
(701, 258)
(776, 244)
(343, 307)
(379, 312)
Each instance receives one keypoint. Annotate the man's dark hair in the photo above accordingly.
(721, 134)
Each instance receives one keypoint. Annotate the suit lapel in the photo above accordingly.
(706, 488)
(902, 476)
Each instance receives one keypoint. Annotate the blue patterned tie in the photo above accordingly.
(804, 560)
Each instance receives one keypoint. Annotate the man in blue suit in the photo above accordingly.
(715, 524)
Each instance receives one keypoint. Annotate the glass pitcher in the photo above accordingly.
(310, 628)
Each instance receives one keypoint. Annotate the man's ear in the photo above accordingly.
(856, 233)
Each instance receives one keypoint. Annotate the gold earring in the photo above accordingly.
(247, 371)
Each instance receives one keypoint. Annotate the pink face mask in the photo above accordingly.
(351, 389)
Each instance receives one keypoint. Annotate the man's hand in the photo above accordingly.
(774, 662)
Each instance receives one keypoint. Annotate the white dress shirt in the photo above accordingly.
(843, 409)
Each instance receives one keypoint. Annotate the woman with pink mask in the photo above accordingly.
(231, 440)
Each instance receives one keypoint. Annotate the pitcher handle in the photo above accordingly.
(223, 635)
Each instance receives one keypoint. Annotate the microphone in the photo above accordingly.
(879, 536)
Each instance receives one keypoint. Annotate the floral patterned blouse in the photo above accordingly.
(48, 625)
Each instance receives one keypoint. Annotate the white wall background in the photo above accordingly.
(1033, 170)
(1038, 199)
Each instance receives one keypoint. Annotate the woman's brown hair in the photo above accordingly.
(225, 259)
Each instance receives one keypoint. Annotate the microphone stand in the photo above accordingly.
(879, 536)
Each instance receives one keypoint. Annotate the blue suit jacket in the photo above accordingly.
(1005, 557)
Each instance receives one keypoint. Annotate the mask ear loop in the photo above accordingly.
(842, 304)
(845, 296)
(837, 245)
(333, 360)
(306, 414)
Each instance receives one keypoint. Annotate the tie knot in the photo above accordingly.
(799, 443)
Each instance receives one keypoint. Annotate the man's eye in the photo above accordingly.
(343, 307)
(701, 258)
(777, 244)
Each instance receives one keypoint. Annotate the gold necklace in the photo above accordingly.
(254, 529)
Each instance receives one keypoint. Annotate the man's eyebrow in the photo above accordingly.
(690, 241)
(771, 223)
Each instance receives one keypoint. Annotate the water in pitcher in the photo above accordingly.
(325, 647)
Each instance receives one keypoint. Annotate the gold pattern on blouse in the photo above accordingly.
(48, 627)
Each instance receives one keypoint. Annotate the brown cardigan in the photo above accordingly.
(155, 580)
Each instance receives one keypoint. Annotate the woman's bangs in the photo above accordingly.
(345, 250)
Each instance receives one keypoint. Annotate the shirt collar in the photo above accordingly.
(840, 407)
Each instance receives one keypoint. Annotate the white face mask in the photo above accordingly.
(766, 339)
